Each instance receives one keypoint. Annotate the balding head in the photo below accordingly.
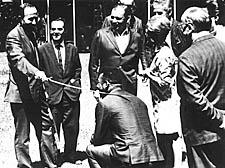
(198, 17)
(127, 2)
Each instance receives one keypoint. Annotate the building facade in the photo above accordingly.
(83, 17)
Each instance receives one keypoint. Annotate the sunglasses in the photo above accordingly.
(158, 13)
(35, 18)
(117, 18)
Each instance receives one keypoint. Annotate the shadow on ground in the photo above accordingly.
(37, 164)
(80, 156)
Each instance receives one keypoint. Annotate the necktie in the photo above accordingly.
(59, 55)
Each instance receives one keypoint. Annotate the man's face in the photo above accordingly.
(159, 12)
(118, 18)
(30, 16)
(57, 30)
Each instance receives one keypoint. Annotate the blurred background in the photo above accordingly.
(84, 17)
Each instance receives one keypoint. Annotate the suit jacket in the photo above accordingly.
(106, 56)
(125, 116)
(23, 62)
(70, 75)
(136, 25)
(201, 85)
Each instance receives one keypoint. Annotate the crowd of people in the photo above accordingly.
(184, 62)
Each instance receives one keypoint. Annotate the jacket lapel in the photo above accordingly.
(51, 50)
(67, 55)
(111, 38)
(24, 37)
(132, 35)
(27, 42)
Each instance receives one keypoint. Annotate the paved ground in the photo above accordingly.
(7, 156)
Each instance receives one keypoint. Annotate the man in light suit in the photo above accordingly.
(61, 62)
(24, 90)
(117, 47)
(201, 85)
(123, 136)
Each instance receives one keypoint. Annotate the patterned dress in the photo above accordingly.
(166, 101)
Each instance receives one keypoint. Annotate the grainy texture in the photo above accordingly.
(87, 122)
(7, 154)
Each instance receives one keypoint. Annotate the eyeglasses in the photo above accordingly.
(35, 18)
(117, 18)
(53, 29)
(158, 13)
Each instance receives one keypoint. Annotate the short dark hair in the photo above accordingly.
(131, 7)
(113, 76)
(58, 19)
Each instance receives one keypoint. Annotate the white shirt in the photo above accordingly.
(123, 40)
(63, 52)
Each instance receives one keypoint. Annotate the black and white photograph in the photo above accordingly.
(112, 83)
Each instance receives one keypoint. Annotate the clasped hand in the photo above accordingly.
(40, 75)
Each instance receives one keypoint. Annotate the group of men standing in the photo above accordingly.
(123, 134)
(31, 95)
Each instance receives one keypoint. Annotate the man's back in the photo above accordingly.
(201, 85)
(128, 121)
(202, 66)
(208, 60)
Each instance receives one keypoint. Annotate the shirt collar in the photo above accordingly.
(197, 36)
(125, 32)
(62, 44)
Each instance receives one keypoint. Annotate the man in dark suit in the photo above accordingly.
(134, 22)
(61, 62)
(117, 47)
(201, 85)
(24, 91)
(123, 136)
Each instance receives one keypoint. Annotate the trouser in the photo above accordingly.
(210, 155)
(101, 157)
(130, 87)
(50, 152)
(129, 82)
(24, 114)
(165, 142)
(67, 113)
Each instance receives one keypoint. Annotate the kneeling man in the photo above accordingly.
(123, 135)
